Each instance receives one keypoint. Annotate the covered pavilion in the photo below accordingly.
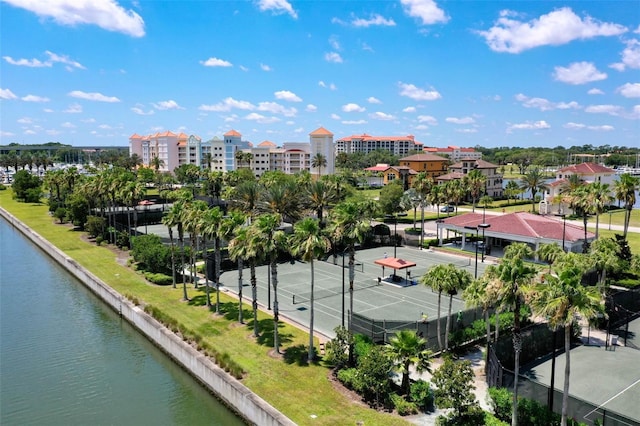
(516, 227)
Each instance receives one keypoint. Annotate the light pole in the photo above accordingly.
(564, 228)
(343, 287)
(476, 229)
(484, 243)
(395, 230)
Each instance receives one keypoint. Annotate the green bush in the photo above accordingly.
(151, 253)
(95, 226)
(348, 377)
(422, 395)
(628, 282)
(60, 214)
(158, 278)
(361, 345)
(402, 406)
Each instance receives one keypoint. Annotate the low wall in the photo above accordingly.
(233, 393)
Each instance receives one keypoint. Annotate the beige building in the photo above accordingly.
(397, 145)
(493, 186)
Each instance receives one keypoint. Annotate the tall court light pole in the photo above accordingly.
(475, 228)
(564, 228)
(484, 243)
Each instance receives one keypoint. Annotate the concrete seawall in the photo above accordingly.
(233, 393)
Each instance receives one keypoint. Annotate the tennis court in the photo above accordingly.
(602, 383)
(378, 301)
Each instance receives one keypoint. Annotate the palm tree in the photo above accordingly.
(475, 182)
(533, 181)
(550, 253)
(423, 185)
(476, 296)
(434, 279)
(273, 240)
(193, 225)
(308, 241)
(562, 299)
(604, 256)
(582, 206)
(600, 196)
(244, 247)
(405, 349)
(410, 201)
(507, 293)
(156, 162)
(176, 217)
(350, 223)
(212, 220)
(625, 189)
(207, 159)
(228, 230)
(283, 199)
(318, 162)
(170, 220)
(512, 190)
(319, 196)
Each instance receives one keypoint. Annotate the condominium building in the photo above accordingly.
(493, 185)
(397, 145)
(455, 153)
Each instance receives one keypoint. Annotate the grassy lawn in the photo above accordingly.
(297, 390)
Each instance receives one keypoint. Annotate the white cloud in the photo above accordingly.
(374, 20)
(382, 116)
(277, 7)
(25, 120)
(68, 125)
(373, 100)
(427, 119)
(350, 122)
(351, 107)
(529, 125)
(89, 120)
(422, 127)
(74, 109)
(34, 98)
(330, 86)
(413, 92)
(276, 108)
(243, 68)
(578, 73)
(227, 105)
(595, 91)
(47, 110)
(7, 94)
(630, 56)
(92, 96)
(216, 62)
(334, 42)
(53, 132)
(6, 134)
(558, 27)
(259, 118)
(580, 126)
(106, 14)
(333, 57)
(32, 63)
(335, 116)
(409, 109)
(286, 95)
(629, 90)
(104, 126)
(462, 120)
(64, 59)
(265, 67)
(425, 10)
(544, 104)
(140, 111)
(604, 109)
(29, 132)
(311, 108)
(164, 105)
(468, 130)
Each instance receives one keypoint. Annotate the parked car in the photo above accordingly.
(448, 208)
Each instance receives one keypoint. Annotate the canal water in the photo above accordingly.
(68, 359)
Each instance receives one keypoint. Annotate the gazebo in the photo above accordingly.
(396, 264)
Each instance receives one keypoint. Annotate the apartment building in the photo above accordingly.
(455, 153)
(397, 145)
(432, 165)
(493, 186)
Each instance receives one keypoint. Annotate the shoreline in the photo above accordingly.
(231, 392)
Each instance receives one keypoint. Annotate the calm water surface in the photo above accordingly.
(68, 359)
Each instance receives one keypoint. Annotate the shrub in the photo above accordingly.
(348, 377)
(158, 278)
(422, 395)
(99, 240)
(150, 252)
(95, 226)
(337, 349)
(362, 345)
(60, 214)
(402, 406)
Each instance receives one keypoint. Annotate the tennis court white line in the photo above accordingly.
(612, 398)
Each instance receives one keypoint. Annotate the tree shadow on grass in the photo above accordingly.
(230, 312)
(266, 333)
(298, 355)
(199, 300)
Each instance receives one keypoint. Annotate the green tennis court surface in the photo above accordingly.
(371, 299)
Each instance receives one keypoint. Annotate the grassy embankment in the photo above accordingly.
(297, 390)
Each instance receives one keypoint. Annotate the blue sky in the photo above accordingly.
(466, 73)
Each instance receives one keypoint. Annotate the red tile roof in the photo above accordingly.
(321, 131)
(423, 157)
(395, 263)
(523, 224)
(451, 176)
(586, 168)
(267, 144)
(232, 133)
